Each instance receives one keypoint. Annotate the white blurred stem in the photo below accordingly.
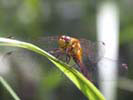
(108, 32)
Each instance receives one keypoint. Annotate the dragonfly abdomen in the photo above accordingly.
(83, 69)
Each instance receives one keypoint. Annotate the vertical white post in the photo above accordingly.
(108, 32)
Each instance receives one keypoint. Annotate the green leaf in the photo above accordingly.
(84, 85)
(9, 89)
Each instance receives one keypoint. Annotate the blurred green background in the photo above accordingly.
(32, 76)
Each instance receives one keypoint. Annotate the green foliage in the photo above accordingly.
(9, 89)
(84, 85)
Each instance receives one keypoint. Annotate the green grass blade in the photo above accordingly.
(84, 85)
(9, 89)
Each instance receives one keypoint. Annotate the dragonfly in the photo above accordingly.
(84, 52)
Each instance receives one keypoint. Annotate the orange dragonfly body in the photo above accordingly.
(71, 46)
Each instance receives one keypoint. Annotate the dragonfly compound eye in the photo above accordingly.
(67, 39)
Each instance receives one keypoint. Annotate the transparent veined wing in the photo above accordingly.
(91, 50)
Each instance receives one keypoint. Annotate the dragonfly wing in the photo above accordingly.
(48, 43)
(121, 65)
(91, 50)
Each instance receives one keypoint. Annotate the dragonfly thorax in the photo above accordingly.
(71, 46)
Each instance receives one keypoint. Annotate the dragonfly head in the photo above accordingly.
(63, 40)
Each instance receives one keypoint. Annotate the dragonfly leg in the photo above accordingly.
(76, 66)
(56, 52)
(67, 58)
(60, 55)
